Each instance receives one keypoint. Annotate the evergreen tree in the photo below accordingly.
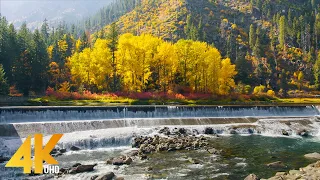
(252, 37)
(282, 33)
(113, 37)
(45, 31)
(39, 63)
(4, 88)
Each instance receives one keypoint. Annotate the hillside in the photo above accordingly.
(266, 39)
(34, 12)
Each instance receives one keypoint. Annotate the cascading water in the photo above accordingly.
(40, 114)
(103, 127)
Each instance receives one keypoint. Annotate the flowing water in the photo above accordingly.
(105, 132)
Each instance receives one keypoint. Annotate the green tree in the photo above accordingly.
(316, 72)
(45, 31)
(252, 37)
(4, 88)
(113, 37)
(282, 32)
(39, 62)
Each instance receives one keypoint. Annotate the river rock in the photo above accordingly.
(82, 168)
(133, 153)
(252, 177)
(213, 151)
(94, 177)
(3, 159)
(295, 172)
(208, 130)
(303, 133)
(233, 131)
(194, 161)
(277, 164)
(128, 161)
(118, 161)
(285, 133)
(107, 176)
(62, 151)
(165, 131)
(76, 165)
(74, 148)
(63, 170)
(314, 155)
(54, 151)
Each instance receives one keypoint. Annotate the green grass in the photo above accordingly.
(46, 101)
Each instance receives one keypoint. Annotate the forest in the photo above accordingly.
(216, 47)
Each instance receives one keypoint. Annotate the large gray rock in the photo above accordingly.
(118, 161)
(107, 176)
(252, 177)
(74, 148)
(82, 168)
(314, 155)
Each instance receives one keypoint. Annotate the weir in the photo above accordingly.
(41, 114)
(23, 121)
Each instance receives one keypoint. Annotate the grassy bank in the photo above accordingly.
(47, 101)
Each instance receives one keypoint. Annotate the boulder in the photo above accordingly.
(118, 161)
(314, 155)
(213, 151)
(109, 161)
(285, 133)
(143, 157)
(277, 164)
(76, 165)
(107, 176)
(82, 168)
(63, 170)
(94, 177)
(233, 131)
(194, 161)
(182, 131)
(62, 150)
(74, 148)
(133, 153)
(3, 159)
(208, 130)
(252, 177)
(303, 133)
(128, 161)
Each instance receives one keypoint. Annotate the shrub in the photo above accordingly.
(271, 93)
(259, 89)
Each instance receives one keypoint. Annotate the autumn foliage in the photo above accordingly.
(147, 63)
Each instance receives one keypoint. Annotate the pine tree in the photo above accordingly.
(252, 37)
(4, 88)
(257, 48)
(45, 31)
(282, 33)
(39, 62)
(113, 36)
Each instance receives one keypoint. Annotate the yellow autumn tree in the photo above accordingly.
(135, 54)
(166, 65)
(92, 67)
(226, 81)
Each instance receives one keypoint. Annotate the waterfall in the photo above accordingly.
(41, 114)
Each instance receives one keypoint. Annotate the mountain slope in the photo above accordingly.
(34, 12)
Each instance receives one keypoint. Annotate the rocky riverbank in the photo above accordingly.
(310, 172)
(165, 141)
